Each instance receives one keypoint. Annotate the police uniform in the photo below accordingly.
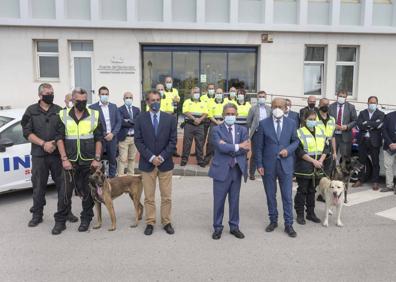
(233, 101)
(209, 101)
(47, 126)
(80, 137)
(215, 110)
(314, 144)
(243, 111)
(166, 104)
(172, 93)
(197, 109)
(328, 126)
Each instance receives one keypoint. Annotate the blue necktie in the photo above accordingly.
(278, 129)
(155, 124)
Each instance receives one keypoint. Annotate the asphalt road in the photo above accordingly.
(363, 250)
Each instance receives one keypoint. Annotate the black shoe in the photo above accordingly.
(176, 155)
(83, 226)
(290, 231)
(386, 189)
(149, 229)
(58, 228)
(313, 217)
(183, 163)
(202, 165)
(271, 227)
(169, 229)
(320, 199)
(252, 177)
(216, 235)
(35, 221)
(71, 217)
(237, 233)
(301, 219)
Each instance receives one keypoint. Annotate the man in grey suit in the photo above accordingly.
(292, 114)
(346, 117)
(256, 114)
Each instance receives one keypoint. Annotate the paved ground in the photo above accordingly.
(363, 250)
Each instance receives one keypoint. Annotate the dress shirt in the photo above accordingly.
(106, 114)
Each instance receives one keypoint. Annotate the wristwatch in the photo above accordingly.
(97, 158)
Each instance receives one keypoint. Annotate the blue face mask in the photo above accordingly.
(311, 123)
(229, 120)
(155, 106)
(128, 102)
(372, 107)
(104, 98)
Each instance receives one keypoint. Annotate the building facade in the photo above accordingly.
(286, 47)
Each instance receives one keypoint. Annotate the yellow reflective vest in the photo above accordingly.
(313, 145)
(172, 94)
(243, 111)
(216, 110)
(329, 128)
(196, 108)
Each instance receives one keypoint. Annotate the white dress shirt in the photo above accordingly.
(263, 112)
(233, 135)
(106, 114)
(276, 123)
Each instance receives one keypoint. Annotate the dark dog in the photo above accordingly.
(104, 190)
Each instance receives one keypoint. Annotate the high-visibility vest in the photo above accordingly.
(207, 99)
(243, 111)
(313, 145)
(228, 100)
(329, 128)
(166, 104)
(172, 93)
(79, 137)
(196, 108)
(216, 110)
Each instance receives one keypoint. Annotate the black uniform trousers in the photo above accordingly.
(305, 196)
(367, 149)
(209, 146)
(41, 167)
(195, 132)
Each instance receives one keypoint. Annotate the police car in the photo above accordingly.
(15, 159)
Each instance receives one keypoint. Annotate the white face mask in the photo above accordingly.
(196, 96)
(277, 113)
(341, 100)
(241, 98)
(70, 104)
(232, 94)
(161, 92)
(261, 100)
(211, 92)
(219, 96)
(168, 85)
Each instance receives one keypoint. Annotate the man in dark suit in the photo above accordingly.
(292, 114)
(275, 146)
(389, 134)
(231, 143)
(126, 145)
(155, 139)
(345, 116)
(370, 122)
(111, 120)
(311, 101)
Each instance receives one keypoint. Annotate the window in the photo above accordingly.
(346, 69)
(114, 10)
(184, 10)
(78, 9)
(314, 65)
(15, 134)
(42, 9)
(47, 59)
(217, 11)
(150, 10)
(9, 9)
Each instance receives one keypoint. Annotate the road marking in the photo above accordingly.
(365, 196)
(390, 214)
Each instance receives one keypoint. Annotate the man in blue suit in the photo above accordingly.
(111, 120)
(275, 147)
(155, 139)
(126, 145)
(231, 143)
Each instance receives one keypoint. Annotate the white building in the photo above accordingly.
(285, 47)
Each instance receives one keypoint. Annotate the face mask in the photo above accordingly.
(324, 109)
(372, 107)
(278, 113)
(219, 97)
(104, 99)
(155, 106)
(81, 105)
(311, 105)
(241, 98)
(232, 94)
(229, 120)
(70, 104)
(196, 96)
(341, 100)
(311, 123)
(261, 100)
(48, 99)
(168, 85)
(128, 101)
(211, 92)
(161, 92)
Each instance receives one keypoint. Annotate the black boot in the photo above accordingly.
(300, 219)
(58, 228)
(35, 221)
(312, 217)
(84, 225)
(71, 217)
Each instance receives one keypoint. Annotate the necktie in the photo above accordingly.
(130, 112)
(278, 129)
(232, 161)
(339, 115)
(155, 124)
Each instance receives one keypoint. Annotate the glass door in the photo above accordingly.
(185, 72)
(214, 69)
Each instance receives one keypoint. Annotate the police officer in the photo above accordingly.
(208, 98)
(195, 112)
(310, 156)
(215, 115)
(232, 94)
(41, 126)
(80, 150)
(243, 108)
(173, 94)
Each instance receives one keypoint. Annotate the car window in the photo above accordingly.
(4, 120)
(14, 133)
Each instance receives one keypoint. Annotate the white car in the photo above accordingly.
(15, 158)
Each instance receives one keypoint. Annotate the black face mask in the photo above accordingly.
(311, 105)
(324, 109)
(48, 99)
(81, 105)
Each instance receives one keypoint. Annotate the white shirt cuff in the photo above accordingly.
(236, 147)
(152, 158)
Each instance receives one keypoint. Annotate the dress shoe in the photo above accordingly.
(252, 177)
(313, 217)
(176, 155)
(375, 186)
(357, 184)
(58, 228)
(169, 229)
(35, 221)
(237, 233)
(386, 189)
(71, 217)
(320, 199)
(290, 231)
(216, 235)
(149, 230)
(83, 226)
(183, 163)
(202, 165)
(271, 227)
(301, 220)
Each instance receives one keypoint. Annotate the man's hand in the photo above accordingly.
(222, 142)
(95, 164)
(283, 153)
(338, 127)
(245, 145)
(392, 146)
(67, 165)
(334, 156)
(109, 137)
(344, 127)
(49, 147)
(261, 171)
(317, 164)
(157, 161)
